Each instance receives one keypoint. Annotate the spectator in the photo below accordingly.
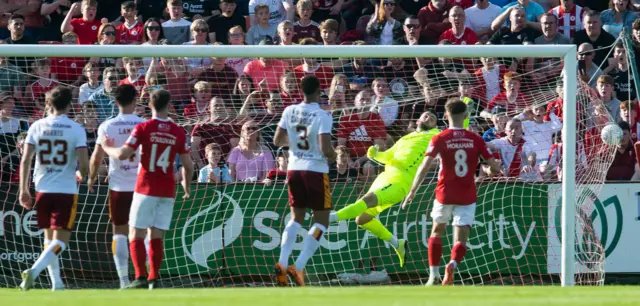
(311, 66)
(358, 71)
(250, 161)
(570, 17)
(433, 19)
(177, 75)
(29, 12)
(511, 149)
(132, 67)
(54, 12)
(624, 161)
(532, 11)
(199, 30)
(538, 132)
(342, 172)
(362, 128)
(629, 114)
(329, 32)
(216, 171)
(9, 125)
(266, 71)
(280, 10)
(176, 29)
(550, 35)
(289, 90)
(600, 40)
(198, 10)
(339, 94)
(88, 27)
(109, 10)
(10, 164)
(92, 73)
(220, 25)
(305, 27)
(220, 129)
(219, 76)
(398, 75)
(623, 79)
(236, 38)
(327, 9)
(17, 37)
(285, 33)
(531, 172)
(152, 36)
(199, 107)
(499, 120)
(488, 78)
(459, 34)
(412, 32)
(619, 16)
(517, 33)
(382, 103)
(12, 79)
(605, 90)
(151, 9)
(107, 36)
(263, 29)
(592, 138)
(68, 70)
(546, 70)
(104, 97)
(241, 91)
(512, 98)
(588, 71)
(131, 31)
(382, 27)
(89, 121)
(279, 173)
(479, 18)
(43, 83)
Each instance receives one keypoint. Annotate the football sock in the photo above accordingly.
(53, 268)
(120, 250)
(138, 256)
(435, 251)
(351, 211)
(310, 245)
(457, 253)
(48, 256)
(376, 228)
(156, 251)
(288, 239)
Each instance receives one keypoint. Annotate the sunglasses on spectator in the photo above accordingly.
(389, 3)
(201, 30)
(235, 35)
(153, 28)
(412, 26)
(109, 33)
(112, 78)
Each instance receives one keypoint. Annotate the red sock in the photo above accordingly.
(138, 257)
(156, 251)
(435, 251)
(458, 251)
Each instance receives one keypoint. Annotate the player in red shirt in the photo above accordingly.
(459, 151)
(86, 27)
(160, 140)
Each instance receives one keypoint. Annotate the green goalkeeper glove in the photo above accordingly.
(373, 151)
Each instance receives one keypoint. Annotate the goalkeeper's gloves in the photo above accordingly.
(373, 151)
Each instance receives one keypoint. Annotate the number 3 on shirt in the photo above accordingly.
(303, 144)
(461, 167)
(162, 161)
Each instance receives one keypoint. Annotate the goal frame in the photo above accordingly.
(567, 52)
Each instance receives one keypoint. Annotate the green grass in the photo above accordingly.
(353, 296)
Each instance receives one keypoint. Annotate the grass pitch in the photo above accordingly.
(353, 296)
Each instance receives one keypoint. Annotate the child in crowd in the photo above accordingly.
(279, 173)
(262, 30)
(343, 172)
(177, 29)
(93, 84)
(86, 27)
(131, 31)
(216, 171)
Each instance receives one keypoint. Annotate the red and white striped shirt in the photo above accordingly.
(569, 22)
(511, 155)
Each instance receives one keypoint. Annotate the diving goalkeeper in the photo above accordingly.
(391, 186)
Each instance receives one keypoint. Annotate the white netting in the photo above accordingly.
(229, 234)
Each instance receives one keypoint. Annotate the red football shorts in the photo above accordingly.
(309, 189)
(56, 210)
(119, 206)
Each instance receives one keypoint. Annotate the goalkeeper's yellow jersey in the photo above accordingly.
(403, 159)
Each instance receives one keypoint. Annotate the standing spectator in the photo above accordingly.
(285, 33)
(11, 77)
(511, 149)
(433, 19)
(199, 32)
(511, 99)
(250, 160)
(220, 25)
(92, 73)
(329, 32)
(459, 34)
(605, 90)
(219, 129)
(236, 38)
(538, 132)
(267, 71)
(591, 71)
(198, 9)
(151, 9)
(9, 125)
(619, 16)
(280, 10)
(532, 11)
(216, 170)
(305, 27)
(104, 98)
(629, 114)
(29, 10)
(219, 76)
(199, 107)
(479, 18)
(382, 27)
(550, 35)
(383, 104)
(44, 83)
(600, 40)
(623, 79)
(362, 128)
(68, 70)
(132, 67)
(499, 120)
(412, 32)
(54, 12)
(131, 31)
(311, 66)
(570, 17)
(176, 29)
(488, 79)
(623, 165)
(17, 37)
(86, 27)
(289, 90)
(263, 29)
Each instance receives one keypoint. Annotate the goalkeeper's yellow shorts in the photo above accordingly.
(389, 192)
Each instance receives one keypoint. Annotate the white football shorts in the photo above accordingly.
(463, 215)
(149, 211)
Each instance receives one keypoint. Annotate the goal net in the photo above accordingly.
(228, 234)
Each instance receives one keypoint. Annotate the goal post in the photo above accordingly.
(237, 213)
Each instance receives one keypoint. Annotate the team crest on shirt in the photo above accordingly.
(464, 42)
(94, 28)
(572, 18)
(73, 65)
(134, 33)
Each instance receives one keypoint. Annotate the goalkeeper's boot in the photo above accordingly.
(402, 251)
(281, 275)
(434, 279)
(139, 283)
(297, 276)
(27, 280)
(448, 275)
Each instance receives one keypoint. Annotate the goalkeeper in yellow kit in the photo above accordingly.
(391, 186)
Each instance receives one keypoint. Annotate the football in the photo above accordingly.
(611, 134)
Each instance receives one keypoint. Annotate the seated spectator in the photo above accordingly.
(499, 120)
(479, 18)
(86, 27)
(263, 29)
(305, 27)
(10, 163)
(329, 32)
(342, 172)
(488, 79)
(9, 125)
(433, 19)
(220, 128)
(68, 70)
(517, 33)
(538, 132)
(199, 107)
(12, 80)
(619, 16)
(570, 17)
(512, 99)
(605, 89)
(216, 171)
(532, 12)
(550, 35)
(588, 71)
(107, 36)
(624, 162)
(18, 37)
(311, 66)
(103, 98)
(554, 165)
(285, 33)
(600, 40)
(176, 29)
(279, 173)
(177, 74)
(280, 10)
(44, 83)
(89, 121)
(93, 84)
(199, 30)
(382, 103)
(241, 91)
(623, 79)
(459, 34)
(236, 38)
(382, 27)
(412, 32)
(132, 67)
(289, 90)
(130, 32)
(250, 160)
(629, 114)
(339, 94)
(358, 71)
(512, 149)
(266, 70)
(398, 74)
(219, 76)
(227, 20)
(152, 36)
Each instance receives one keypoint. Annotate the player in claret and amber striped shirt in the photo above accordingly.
(160, 140)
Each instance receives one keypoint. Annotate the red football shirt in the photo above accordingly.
(87, 31)
(137, 83)
(325, 74)
(465, 4)
(522, 101)
(127, 35)
(220, 133)
(161, 140)
(459, 152)
(360, 133)
(68, 69)
(38, 89)
(468, 37)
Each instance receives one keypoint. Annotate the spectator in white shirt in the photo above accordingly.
(539, 133)
(479, 18)
(383, 104)
(93, 84)
(280, 10)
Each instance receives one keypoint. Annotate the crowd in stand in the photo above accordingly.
(230, 106)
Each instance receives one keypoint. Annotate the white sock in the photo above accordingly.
(53, 268)
(120, 249)
(288, 239)
(454, 263)
(333, 217)
(310, 244)
(394, 242)
(434, 271)
(48, 255)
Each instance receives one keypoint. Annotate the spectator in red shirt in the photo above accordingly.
(361, 129)
(592, 139)
(86, 27)
(41, 86)
(459, 34)
(311, 66)
(289, 90)
(511, 99)
(199, 107)
(432, 18)
(380, 23)
(220, 128)
(629, 114)
(279, 173)
(465, 4)
(624, 162)
(266, 71)
(305, 27)
(131, 31)
(219, 76)
(68, 70)
(132, 66)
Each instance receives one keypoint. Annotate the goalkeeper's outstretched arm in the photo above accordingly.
(417, 181)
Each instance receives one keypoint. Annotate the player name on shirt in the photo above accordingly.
(122, 173)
